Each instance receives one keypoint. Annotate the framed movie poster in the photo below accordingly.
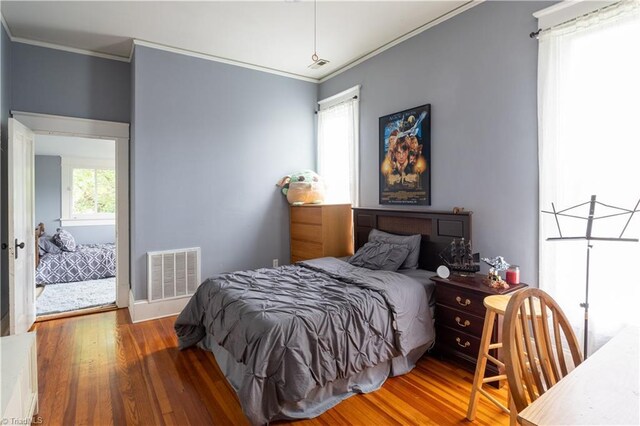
(405, 157)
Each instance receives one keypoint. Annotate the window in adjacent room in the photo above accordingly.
(338, 125)
(88, 191)
(589, 144)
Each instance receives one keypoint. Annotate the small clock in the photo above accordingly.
(443, 271)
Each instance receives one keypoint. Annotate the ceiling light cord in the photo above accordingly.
(315, 57)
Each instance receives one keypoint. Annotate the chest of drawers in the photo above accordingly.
(321, 230)
(459, 319)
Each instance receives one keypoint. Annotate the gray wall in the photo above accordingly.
(55, 82)
(210, 141)
(478, 72)
(5, 95)
(48, 190)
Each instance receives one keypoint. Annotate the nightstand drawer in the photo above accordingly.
(457, 298)
(306, 232)
(305, 249)
(305, 214)
(458, 341)
(459, 320)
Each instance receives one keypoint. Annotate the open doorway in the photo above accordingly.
(75, 214)
(23, 129)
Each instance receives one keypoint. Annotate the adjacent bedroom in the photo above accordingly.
(75, 202)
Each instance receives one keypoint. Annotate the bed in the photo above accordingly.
(296, 340)
(87, 262)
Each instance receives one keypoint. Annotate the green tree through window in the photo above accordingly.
(94, 191)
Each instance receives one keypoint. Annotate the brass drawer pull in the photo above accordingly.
(466, 343)
(466, 323)
(467, 302)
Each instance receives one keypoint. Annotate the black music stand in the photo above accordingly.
(588, 237)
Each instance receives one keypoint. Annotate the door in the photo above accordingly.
(22, 312)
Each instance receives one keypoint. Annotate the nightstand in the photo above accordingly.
(460, 317)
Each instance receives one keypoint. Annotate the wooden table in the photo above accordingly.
(603, 390)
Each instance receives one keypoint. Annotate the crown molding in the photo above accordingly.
(6, 27)
(47, 45)
(68, 49)
(407, 36)
(133, 47)
(213, 58)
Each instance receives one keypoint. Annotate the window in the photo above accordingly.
(88, 191)
(589, 144)
(338, 121)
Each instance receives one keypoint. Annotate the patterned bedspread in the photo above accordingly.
(88, 262)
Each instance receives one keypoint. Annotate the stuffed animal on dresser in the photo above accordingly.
(304, 187)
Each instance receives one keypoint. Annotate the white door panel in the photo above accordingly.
(21, 228)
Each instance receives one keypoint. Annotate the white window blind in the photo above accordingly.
(338, 142)
(589, 144)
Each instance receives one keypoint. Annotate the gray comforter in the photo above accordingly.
(301, 326)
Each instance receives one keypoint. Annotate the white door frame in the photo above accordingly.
(44, 124)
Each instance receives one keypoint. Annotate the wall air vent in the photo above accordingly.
(173, 273)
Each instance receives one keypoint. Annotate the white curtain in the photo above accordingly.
(589, 144)
(338, 151)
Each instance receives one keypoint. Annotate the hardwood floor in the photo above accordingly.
(102, 369)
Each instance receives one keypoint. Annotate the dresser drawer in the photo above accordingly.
(305, 250)
(458, 341)
(306, 232)
(459, 320)
(312, 215)
(460, 299)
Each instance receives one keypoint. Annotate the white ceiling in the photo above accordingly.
(65, 146)
(276, 35)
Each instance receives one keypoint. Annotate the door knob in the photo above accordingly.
(21, 245)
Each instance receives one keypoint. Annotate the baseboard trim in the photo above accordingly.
(79, 312)
(143, 310)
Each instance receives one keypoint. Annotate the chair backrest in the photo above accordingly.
(535, 346)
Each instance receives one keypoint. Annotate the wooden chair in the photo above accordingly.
(496, 306)
(534, 346)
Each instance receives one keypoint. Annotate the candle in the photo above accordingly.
(513, 274)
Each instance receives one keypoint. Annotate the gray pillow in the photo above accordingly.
(65, 240)
(46, 245)
(378, 255)
(411, 241)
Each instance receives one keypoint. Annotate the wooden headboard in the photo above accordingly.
(437, 228)
(38, 233)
